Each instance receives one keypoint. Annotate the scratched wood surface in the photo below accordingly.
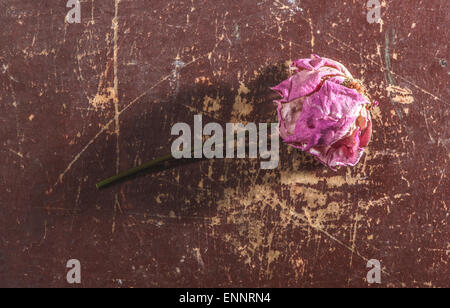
(80, 101)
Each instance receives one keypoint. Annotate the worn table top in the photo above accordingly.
(80, 101)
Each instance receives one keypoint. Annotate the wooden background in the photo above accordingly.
(80, 101)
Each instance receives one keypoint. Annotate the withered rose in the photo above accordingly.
(324, 111)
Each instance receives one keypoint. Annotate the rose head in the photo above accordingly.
(325, 112)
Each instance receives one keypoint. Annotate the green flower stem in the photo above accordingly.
(154, 163)
(133, 171)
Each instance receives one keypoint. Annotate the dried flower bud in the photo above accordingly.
(325, 111)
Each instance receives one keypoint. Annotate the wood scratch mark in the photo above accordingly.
(92, 12)
(428, 128)
(355, 227)
(80, 72)
(443, 172)
(311, 27)
(353, 241)
(17, 153)
(387, 59)
(199, 258)
(390, 80)
(116, 83)
(75, 207)
(77, 157)
(116, 207)
(44, 237)
(115, 23)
